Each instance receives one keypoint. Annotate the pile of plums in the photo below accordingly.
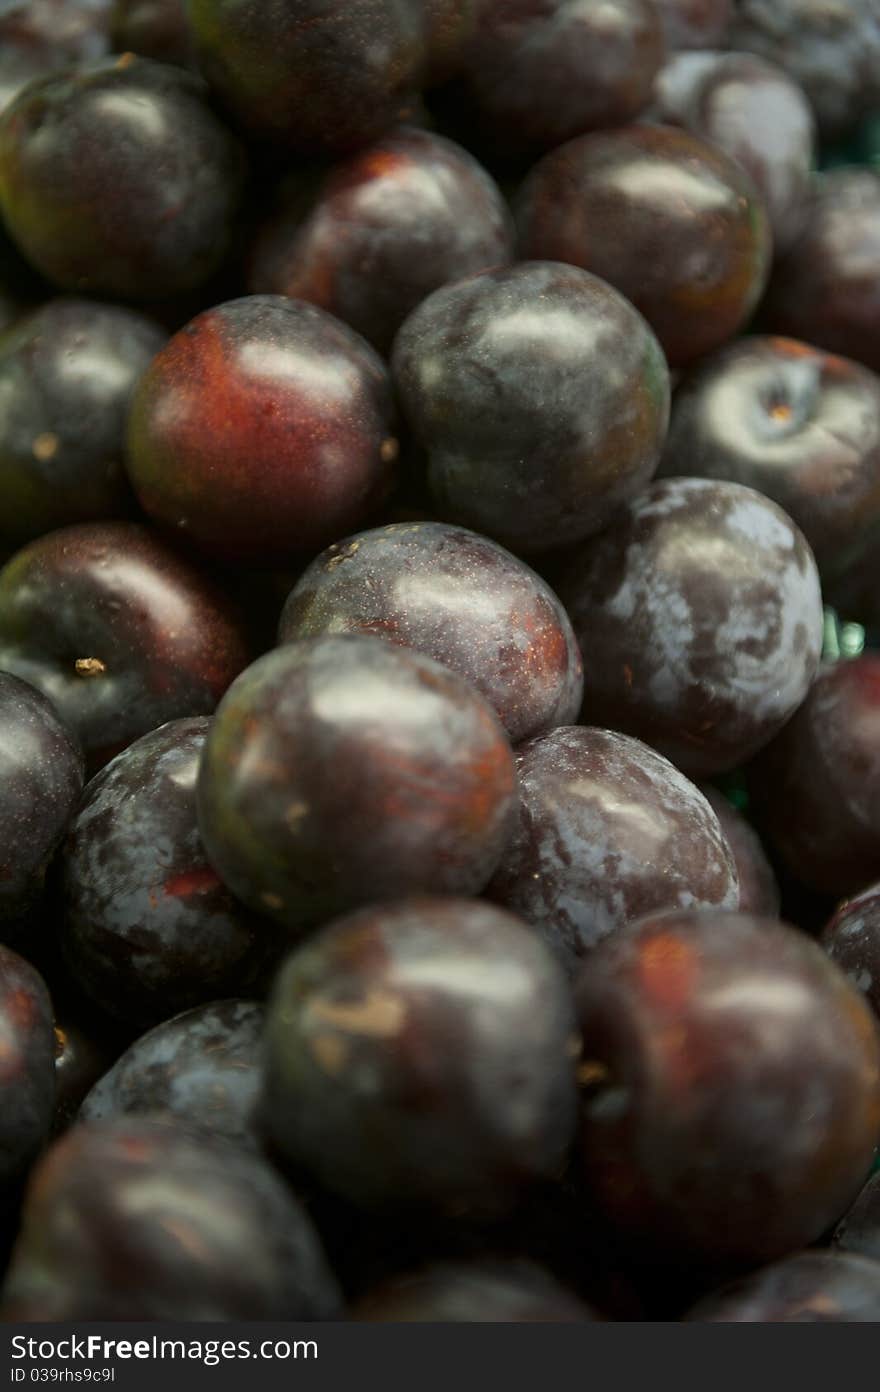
(439, 660)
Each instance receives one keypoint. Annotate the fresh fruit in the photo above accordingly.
(280, 67)
(859, 1230)
(420, 1055)
(139, 1219)
(118, 179)
(67, 373)
(797, 424)
(201, 1068)
(43, 36)
(731, 1080)
(383, 230)
(852, 940)
(695, 23)
(607, 831)
(459, 599)
(815, 788)
(82, 1056)
(149, 927)
(153, 28)
(758, 890)
(119, 631)
(264, 428)
(700, 618)
(41, 771)
(27, 1065)
(808, 1288)
(541, 398)
(342, 771)
(672, 221)
(473, 1293)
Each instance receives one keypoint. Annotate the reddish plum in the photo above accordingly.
(852, 939)
(27, 1064)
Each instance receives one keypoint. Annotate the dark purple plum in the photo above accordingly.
(27, 1065)
(118, 179)
(826, 290)
(117, 630)
(607, 831)
(852, 939)
(816, 788)
(342, 771)
(83, 1054)
(537, 72)
(758, 891)
(263, 428)
(808, 1288)
(201, 1067)
(67, 373)
(149, 928)
(797, 424)
(137, 1219)
(831, 50)
(479, 1292)
(541, 398)
(155, 29)
(41, 772)
(43, 36)
(672, 221)
(859, 1230)
(753, 111)
(699, 615)
(459, 599)
(450, 26)
(314, 77)
(695, 23)
(731, 1077)
(419, 1055)
(383, 230)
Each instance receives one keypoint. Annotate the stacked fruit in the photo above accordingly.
(439, 719)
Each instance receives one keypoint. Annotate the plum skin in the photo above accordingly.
(344, 770)
(27, 1064)
(459, 599)
(733, 1087)
(264, 428)
(103, 200)
(419, 1056)
(540, 397)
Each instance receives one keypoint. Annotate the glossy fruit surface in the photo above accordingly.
(540, 397)
(459, 599)
(343, 771)
(473, 1293)
(699, 616)
(733, 1078)
(67, 373)
(668, 219)
(826, 291)
(201, 1067)
(27, 1064)
(695, 23)
(41, 772)
(538, 72)
(758, 890)
(118, 631)
(833, 51)
(263, 428)
(797, 424)
(816, 787)
(281, 67)
(859, 1231)
(383, 230)
(852, 939)
(754, 112)
(150, 929)
(808, 1288)
(420, 1055)
(118, 179)
(42, 36)
(607, 831)
(140, 1220)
